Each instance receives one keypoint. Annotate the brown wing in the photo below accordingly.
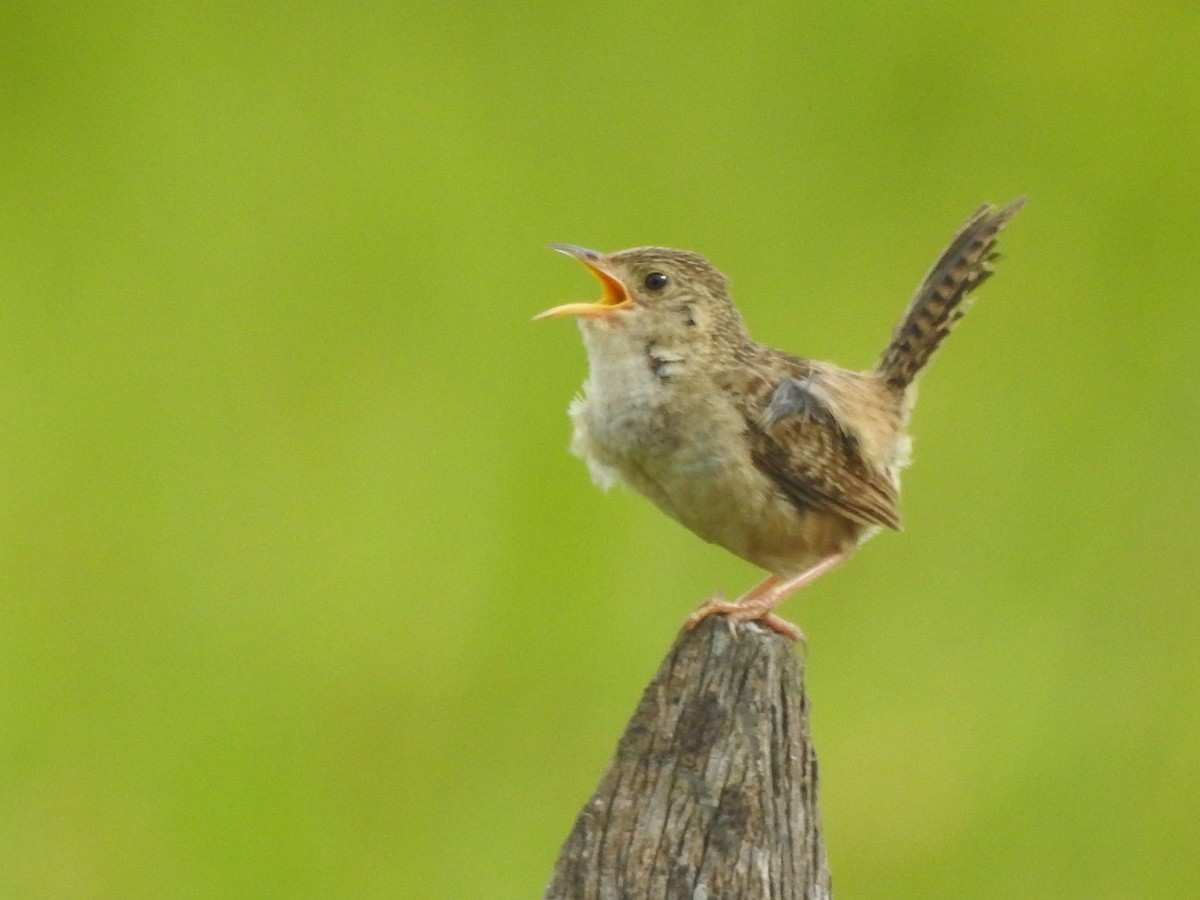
(795, 439)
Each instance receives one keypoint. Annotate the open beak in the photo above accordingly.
(614, 294)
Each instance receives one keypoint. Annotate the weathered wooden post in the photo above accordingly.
(712, 792)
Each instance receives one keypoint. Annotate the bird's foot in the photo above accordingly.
(736, 613)
(715, 605)
(785, 628)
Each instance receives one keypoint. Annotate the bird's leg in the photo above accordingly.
(757, 603)
(718, 605)
(735, 611)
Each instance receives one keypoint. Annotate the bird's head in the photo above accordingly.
(654, 293)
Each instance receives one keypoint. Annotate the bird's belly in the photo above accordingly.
(736, 507)
(699, 472)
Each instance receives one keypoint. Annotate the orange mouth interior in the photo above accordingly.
(613, 296)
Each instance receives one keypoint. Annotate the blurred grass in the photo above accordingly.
(301, 593)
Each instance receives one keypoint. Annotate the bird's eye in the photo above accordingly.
(656, 281)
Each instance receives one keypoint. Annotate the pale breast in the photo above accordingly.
(685, 451)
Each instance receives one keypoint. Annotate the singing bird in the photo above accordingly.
(787, 462)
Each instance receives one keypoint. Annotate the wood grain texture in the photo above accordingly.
(712, 792)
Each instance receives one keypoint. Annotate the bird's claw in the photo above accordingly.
(714, 606)
(735, 615)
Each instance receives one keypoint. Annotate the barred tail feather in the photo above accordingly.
(943, 297)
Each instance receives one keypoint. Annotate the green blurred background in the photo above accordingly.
(300, 592)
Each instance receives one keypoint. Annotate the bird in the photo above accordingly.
(789, 463)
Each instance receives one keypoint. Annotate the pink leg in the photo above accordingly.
(757, 603)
